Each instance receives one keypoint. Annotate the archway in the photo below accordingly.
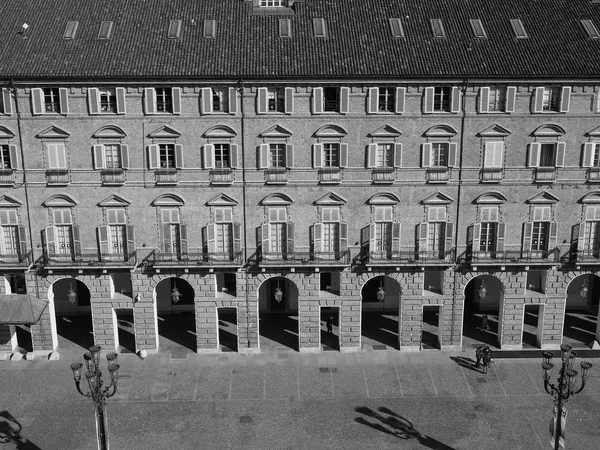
(278, 314)
(581, 326)
(484, 296)
(72, 309)
(175, 315)
(380, 301)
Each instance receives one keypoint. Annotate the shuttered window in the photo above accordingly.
(494, 155)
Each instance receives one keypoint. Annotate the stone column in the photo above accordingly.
(309, 324)
(8, 340)
(144, 314)
(553, 321)
(102, 312)
(350, 324)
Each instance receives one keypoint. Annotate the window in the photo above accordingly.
(442, 99)
(439, 154)
(164, 100)
(330, 229)
(544, 154)
(63, 224)
(547, 155)
(274, 3)
(540, 230)
(166, 155)
(591, 238)
(57, 158)
(285, 28)
(105, 30)
(5, 157)
(331, 99)
(277, 230)
(384, 155)
(518, 28)
(71, 30)
(219, 100)
(224, 227)
(477, 27)
(551, 99)
(112, 155)
(9, 232)
(174, 31)
(497, 99)
(210, 29)
(383, 228)
(590, 28)
(436, 217)
(276, 99)
(108, 100)
(319, 27)
(437, 28)
(117, 234)
(49, 100)
(52, 100)
(277, 156)
(331, 155)
(171, 235)
(489, 228)
(396, 28)
(591, 154)
(494, 155)
(387, 99)
(222, 156)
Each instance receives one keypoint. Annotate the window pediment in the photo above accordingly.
(60, 200)
(490, 198)
(221, 200)
(114, 201)
(437, 199)
(385, 131)
(109, 132)
(330, 198)
(276, 132)
(220, 132)
(440, 131)
(494, 131)
(165, 132)
(53, 132)
(168, 200)
(590, 197)
(276, 199)
(594, 132)
(8, 201)
(548, 130)
(542, 197)
(330, 131)
(384, 198)
(5, 133)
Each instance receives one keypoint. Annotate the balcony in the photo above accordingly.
(88, 259)
(545, 174)
(196, 258)
(587, 256)
(513, 256)
(330, 175)
(58, 177)
(410, 257)
(593, 175)
(112, 176)
(166, 175)
(7, 177)
(221, 175)
(437, 175)
(277, 175)
(383, 175)
(16, 261)
(321, 259)
(491, 174)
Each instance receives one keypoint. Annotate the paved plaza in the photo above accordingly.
(287, 400)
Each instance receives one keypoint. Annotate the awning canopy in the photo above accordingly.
(20, 309)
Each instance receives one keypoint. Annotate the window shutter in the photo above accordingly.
(428, 101)
(365, 239)
(261, 99)
(397, 155)
(206, 105)
(343, 237)
(449, 236)
(235, 156)
(423, 236)
(565, 99)
(455, 106)
(208, 156)
(534, 154)
(129, 230)
(153, 156)
(23, 247)
(372, 237)
(552, 239)
(318, 237)
(425, 155)
(400, 100)
(289, 155)
(263, 156)
(501, 232)
(484, 100)
(178, 156)
(37, 101)
(237, 239)
(211, 234)
(289, 100)
(64, 100)
(476, 242)
(7, 102)
(94, 100)
(499, 154)
(395, 237)
(49, 236)
(488, 157)
(102, 239)
(264, 238)
(538, 100)
(99, 156)
(373, 100)
(527, 231)
(176, 93)
(52, 151)
(76, 240)
(150, 100)
(233, 105)
(15, 162)
(124, 156)
(511, 94)
(317, 155)
(344, 100)
(166, 238)
(371, 155)
(588, 154)
(452, 155)
(121, 104)
(290, 237)
(579, 233)
(560, 154)
(317, 101)
(183, 239)
(343, 155)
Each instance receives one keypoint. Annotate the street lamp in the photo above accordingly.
(565, 386)
(97, 393)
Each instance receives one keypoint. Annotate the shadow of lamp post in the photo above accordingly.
(565, 386)
(97, 392)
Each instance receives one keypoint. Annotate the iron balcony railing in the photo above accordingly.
(166, 175)
(330, 175)
(89, 259)
(410, 256)
(277, 175)
(545, 174)
(491, 174)
(58, 176)
(437, 174)
(513, 255)
(593, 174)
(7, 177)
(222, 175)
(383, 174)
(112, 176)
(192, 259)
(302, 258)
(19, 259)
(585, 256)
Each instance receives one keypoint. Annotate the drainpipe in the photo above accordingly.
(244, 250)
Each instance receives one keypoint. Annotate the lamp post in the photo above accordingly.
(97, 392)
(565, 386)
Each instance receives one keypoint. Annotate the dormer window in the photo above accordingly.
(274, 3)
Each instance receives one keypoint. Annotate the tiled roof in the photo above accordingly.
(359, 42)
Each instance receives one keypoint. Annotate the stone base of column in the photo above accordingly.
(207, 350)
(511, 347)
(451, 348)
(310, 349)
(410, 348)
(249, 351)
(350, 349)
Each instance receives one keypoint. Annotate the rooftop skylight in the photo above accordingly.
(319, 27)
(478, 30)
(396, 28)
(285, 28)
(71, 29)
(210, 29)
(590, 28)
(437, 28)
(105, 30)
(518, 28)
(174, 29)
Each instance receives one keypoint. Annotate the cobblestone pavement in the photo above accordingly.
(287, 400)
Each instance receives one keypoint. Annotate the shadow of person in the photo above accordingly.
(467, 363)
(10, 432)
(389, 422)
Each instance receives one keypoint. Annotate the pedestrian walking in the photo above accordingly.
(484, 322)
(330, 325)
(487, 358)
(478, 356)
